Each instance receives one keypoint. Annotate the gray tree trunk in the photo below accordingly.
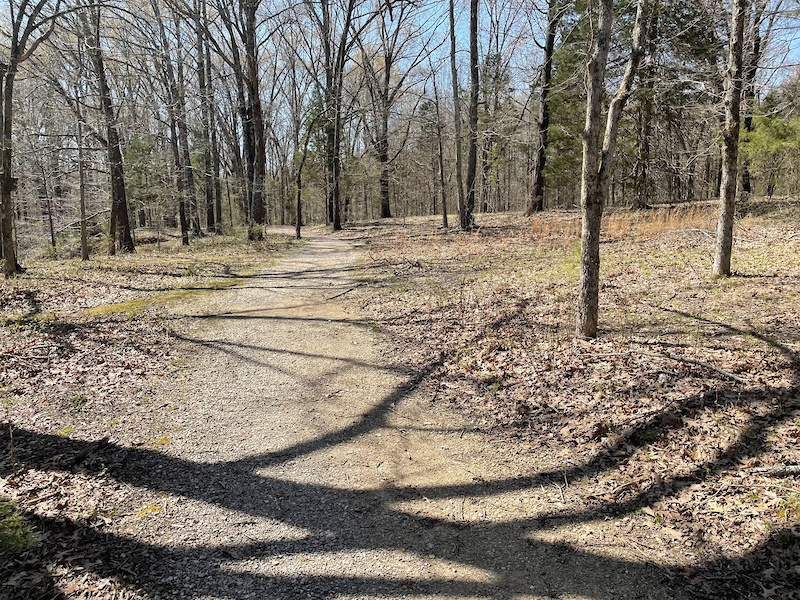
(730, 141)
(468, 217)
(456, 117)
(597, 161)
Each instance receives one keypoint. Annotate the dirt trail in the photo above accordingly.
(301, 462)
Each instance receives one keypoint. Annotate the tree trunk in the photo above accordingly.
(256, 114)
(119, 201)
(383, 159)
(442, 180)
(183, 142)
(597, 161)
(82, 183)
(7, 182)
(641, 169)
(176, 156)
(554, 14)
(456, 118)
(749, 86)
(468, 218)
(212, 215)
(730, 141)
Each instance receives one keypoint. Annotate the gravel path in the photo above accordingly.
(299, 461)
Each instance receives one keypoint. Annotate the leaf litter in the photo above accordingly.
(658, 423)
(84, 347)
(692, 383)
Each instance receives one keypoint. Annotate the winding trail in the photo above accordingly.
(304, 463)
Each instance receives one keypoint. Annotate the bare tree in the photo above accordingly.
(27, 19)
(597, 159)
(468, 217)
(555, 11)
(456, 116)
(730, 140)
(90, 19)
(386, 73)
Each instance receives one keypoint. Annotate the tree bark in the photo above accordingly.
(8, 183)
(468, 218)
(730, 141)
(597, 161)
(256, 114)
(119, 201)
(456, 118)
(554, 14)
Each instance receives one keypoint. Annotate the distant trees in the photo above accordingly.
(229, 92)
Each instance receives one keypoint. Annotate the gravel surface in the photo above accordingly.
(299, 459)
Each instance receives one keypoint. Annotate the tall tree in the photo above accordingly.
(120, 224)
(598, 159)
(462, 206)
(468, 217)
(27, 20)
(386, 72)
(555, 11)
(730, 140)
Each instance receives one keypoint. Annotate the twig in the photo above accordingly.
(97, 214)
(768, 486)
(91, 449)
(776, 470)
(668, 356)
(345, 292)
(35, 501)
(703, 231)
(699, 363)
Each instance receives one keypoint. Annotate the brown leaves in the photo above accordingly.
(690, 379)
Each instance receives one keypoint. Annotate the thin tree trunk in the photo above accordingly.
(82, 183)
(730, 141)
(554, 14)
(7, 182)
(442, 179)
(205, 109)
(456, 118)
(468, 218)
(597, 161)
(641, 169)
(183, 143)
(176, 156)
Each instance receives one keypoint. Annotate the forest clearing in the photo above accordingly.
(399, 410)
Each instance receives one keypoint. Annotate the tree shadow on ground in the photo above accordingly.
(495, 559)
(375, 530)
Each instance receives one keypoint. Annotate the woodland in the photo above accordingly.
(482, 158)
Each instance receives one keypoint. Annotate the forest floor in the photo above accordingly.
(402, 411)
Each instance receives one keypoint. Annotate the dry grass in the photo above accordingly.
(565, 226)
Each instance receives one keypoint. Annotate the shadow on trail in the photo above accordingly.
(510, 557)
(514, 558)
